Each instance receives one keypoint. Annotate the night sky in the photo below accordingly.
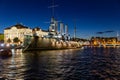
(90, 16)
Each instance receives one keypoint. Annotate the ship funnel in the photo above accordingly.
(61, 28)
(53, 25)
(52, 19)
(66, 29)
(56, 26)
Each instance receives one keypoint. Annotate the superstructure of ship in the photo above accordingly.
(53, 41)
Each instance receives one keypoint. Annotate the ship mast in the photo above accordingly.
(54, 22)
(74, 29)
(53, 7)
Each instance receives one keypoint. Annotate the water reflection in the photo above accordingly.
(103, 63)
(12, 66)
(73, 64)
(49, 64)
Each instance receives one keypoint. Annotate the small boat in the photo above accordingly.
(5, 52)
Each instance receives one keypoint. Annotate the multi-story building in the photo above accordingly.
(18, 31)
(96, 41)
(39, 32)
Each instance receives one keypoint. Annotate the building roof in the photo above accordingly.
(38, 29)
(18, 26)
(45, 31)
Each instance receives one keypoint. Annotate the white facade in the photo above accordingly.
(41, 33)
(20, 31)
(16, 31)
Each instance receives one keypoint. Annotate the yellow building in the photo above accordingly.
(96, 41)
(18, 31)
(39, 32)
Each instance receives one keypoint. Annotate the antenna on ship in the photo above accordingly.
(53, 7)
(74, 29)
(54, 22)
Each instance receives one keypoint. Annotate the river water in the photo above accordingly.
(73, 64)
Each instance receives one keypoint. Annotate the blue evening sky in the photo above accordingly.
(91, 16)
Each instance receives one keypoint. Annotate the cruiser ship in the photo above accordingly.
(52, 41)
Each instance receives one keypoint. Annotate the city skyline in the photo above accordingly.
(89, 16)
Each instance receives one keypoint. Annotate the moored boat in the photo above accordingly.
(50, 44)
(53, 39)
(5, 52)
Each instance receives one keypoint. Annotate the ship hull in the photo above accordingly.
(38, 43)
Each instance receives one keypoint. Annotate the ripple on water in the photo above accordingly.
(85, 64)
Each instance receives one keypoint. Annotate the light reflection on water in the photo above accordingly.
(72, 64)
